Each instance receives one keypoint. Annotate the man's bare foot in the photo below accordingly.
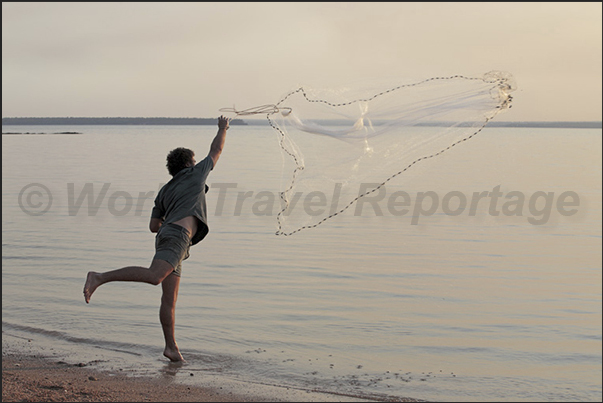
(173, 354)
(92, 283)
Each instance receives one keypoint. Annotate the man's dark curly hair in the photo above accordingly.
(178, 159)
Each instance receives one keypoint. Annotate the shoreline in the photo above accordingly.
(32, 376)
(37, 379)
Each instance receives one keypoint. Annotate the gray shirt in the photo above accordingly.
(184, 196)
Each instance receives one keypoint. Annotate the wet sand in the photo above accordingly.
(29, 379)
(36, 379)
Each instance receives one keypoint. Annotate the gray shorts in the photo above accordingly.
(172, 244)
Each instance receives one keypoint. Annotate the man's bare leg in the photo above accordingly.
(154, 275)
(167, 316)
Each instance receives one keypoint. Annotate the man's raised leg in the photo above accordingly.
(154, 275)
(167, 316)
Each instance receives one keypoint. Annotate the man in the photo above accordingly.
(179, 219)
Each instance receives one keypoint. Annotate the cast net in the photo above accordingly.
(341, 145)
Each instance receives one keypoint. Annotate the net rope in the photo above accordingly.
(491, 97)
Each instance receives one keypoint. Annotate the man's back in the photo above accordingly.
(183, 197)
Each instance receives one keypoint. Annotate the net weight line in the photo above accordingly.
(499, 84)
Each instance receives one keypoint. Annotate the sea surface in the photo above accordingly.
(497, 304)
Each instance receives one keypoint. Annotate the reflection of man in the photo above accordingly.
(179, 219)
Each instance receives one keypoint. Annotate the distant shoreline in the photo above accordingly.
(112, 121)
(70, 121)
(560, 125)
(534, 124)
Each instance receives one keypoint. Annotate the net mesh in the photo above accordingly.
(341, 145)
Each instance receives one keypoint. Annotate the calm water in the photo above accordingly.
(457, 308)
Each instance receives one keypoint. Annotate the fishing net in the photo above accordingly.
(341, 145)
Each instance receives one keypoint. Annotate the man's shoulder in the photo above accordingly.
(206, 164)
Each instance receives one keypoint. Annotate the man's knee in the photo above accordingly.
(156, 280)
(168, 301)
(160, 270)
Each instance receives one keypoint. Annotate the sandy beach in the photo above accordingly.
(40, 369)
(29, 379)
(36, 379)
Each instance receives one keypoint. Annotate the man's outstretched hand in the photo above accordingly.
(218, 143)
(223, 122)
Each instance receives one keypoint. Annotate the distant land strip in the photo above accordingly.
(115, 121)
(561, 125)
(41, 133)
(74, 121)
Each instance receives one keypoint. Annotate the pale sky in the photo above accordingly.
(191, 59)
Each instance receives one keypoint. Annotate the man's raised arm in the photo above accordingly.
(217, 145)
